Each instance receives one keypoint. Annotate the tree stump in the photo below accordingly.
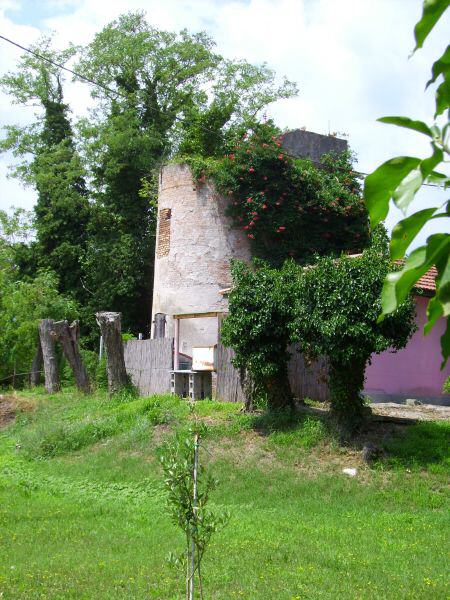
(51, 371)
(36, 366)
(68, 336)
(109, 323)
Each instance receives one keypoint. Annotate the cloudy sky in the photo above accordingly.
(349, 58)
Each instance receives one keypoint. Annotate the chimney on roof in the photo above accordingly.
(306, 144)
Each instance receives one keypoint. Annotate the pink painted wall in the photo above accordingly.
(415, 370)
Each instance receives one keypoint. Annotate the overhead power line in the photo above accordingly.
(118, 93)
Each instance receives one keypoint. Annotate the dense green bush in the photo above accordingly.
(22, 305)
(257, 328)
(328, 308)
(336, 308)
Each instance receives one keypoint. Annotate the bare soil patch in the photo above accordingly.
(10, 405)
(7, 411)
(420, 412)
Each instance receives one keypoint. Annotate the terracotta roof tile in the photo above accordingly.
(428, 281)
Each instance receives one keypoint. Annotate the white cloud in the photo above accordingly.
(349, 57)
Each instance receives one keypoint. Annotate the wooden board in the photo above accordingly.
(149, 362)
(308, 380)
(228, 387)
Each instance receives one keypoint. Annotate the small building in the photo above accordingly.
(413, 372)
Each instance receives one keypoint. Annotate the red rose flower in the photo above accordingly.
(264, 206)
(245, 227)
(249, 200)
(282, 228)
(251, 170)
(250, 235)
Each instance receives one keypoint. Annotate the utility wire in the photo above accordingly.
(118, 93)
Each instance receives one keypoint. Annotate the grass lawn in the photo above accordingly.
(82, 507)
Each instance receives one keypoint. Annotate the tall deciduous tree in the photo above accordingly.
(50, 164)
(162, 93)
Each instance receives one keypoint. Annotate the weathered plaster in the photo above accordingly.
(202, 242)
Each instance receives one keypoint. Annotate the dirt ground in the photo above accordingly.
(10, 404)
(7, 411)
(421, 412)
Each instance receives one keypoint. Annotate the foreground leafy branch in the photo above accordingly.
(400, 179)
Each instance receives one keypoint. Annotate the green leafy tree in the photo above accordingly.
(50, 164)
(400, 179)
(336, 308)
(22, 305)
(257, 328)
(328, 308)
(188, 488)
(17, 244)
(162, 93)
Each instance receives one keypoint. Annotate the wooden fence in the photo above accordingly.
(149, 362)
(307, 381)
(228, 383)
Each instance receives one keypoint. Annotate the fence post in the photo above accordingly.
(159, 330)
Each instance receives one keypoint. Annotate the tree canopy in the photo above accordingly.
(158, 94)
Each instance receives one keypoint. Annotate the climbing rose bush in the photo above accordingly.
(288, 207)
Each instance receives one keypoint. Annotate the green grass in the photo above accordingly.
(82, 507)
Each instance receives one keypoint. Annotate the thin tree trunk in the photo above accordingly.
(248, 388)
(279, 393)
(36, 366)
(68, 336)
(347, 407)
(51, 371)
(109, 323)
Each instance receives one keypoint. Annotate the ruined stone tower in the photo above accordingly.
(195, 242)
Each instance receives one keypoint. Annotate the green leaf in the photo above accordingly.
(428, 164)
(408, 188)
(408, 123)
(397, 285)
(442, 97)
(438, 178)
(445, 345)
(407, 229)
(434, 313)
(432, 11)
(441, 66)
(380, 185)
(443, 285)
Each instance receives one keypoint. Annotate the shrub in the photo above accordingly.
(288, 207)
(336, 308)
